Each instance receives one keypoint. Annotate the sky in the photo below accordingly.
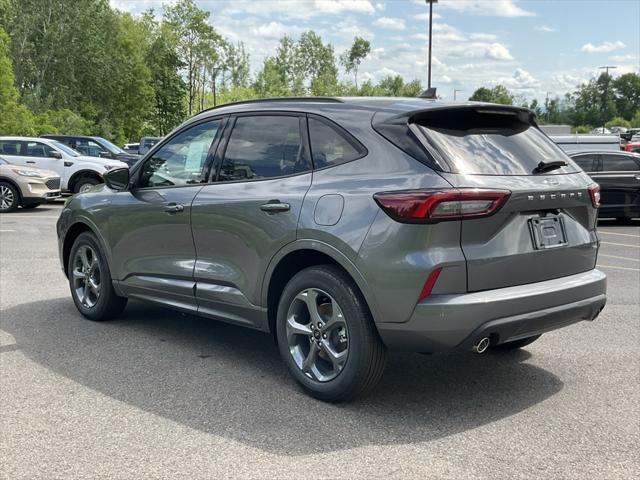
(533, 47)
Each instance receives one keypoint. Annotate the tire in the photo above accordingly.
(100, 303)
(9, 198)
(509, 346)
(84, 183)
(31, 205)
(349, 334)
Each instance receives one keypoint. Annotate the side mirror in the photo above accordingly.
(117, 179)
(104, 154)
(55, 154)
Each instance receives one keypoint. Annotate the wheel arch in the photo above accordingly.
(82, 173)
(74, 231)
(298, 256)
(14, 185)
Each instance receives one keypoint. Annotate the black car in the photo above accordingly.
(618, 174)
(95, 147)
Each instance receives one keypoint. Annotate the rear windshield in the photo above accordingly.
(489, 142)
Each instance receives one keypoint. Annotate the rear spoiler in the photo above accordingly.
(395, 127)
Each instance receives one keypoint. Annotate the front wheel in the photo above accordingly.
(90, 281)
(85, 184)
(508, 346)
(9, 197)
(326, 335)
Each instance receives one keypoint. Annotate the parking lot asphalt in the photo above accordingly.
(157, 394)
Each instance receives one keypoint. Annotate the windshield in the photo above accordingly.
(490, 142)
(68, 150)
(110, 146)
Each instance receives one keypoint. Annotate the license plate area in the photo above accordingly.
(547, 232)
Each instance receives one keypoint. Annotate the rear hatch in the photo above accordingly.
(546, 228)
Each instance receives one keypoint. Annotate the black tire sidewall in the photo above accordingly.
(84, 181)
(16, 198)
(359, 329)
(97, 312)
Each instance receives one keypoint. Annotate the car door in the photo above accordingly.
(619, 178)
(248, 212)
(33, 154)
(11, 151)
(151, 242)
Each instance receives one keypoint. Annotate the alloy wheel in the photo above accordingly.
(86, 276)
(317, 335)
(85, 187)
(6, 198)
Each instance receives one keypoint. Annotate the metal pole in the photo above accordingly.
(430, 39)
(604, 97)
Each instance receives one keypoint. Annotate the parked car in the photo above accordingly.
(131, 148)
(579, 141)
(346, 227)
(147, 143)
(95, 147)
(26, 187)
(633, 145)
(78, 173)
(618, 174)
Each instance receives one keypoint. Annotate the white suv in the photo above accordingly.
(77, 172)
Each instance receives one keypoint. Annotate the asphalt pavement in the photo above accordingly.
(157, 394)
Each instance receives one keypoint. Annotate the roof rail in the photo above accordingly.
(277, 99)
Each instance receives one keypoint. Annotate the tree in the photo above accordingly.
(316, 62)
(498, 94)
(352, 58)
(15, 119)
(626, 90)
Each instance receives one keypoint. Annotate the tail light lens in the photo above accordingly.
(594, 193)
(429, 283)
(432, 206)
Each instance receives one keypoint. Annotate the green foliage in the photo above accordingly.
(498, 94)
(352, 58)
(582, 129)
(618, 122)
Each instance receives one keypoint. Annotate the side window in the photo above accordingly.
(585, 162)
(180, 161)
(618, 163)
(9, 147)
(37, 149)
(329, 146)
(264, 146)
(88, 147)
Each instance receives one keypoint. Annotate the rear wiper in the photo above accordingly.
(548, 166)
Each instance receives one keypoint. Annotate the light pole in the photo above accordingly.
(430, 2)
(606, 91)
(455, 91)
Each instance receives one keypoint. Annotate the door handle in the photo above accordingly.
(173, 208)
(30, 161)
(275, 206)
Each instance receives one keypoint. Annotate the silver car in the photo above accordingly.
(346, 227)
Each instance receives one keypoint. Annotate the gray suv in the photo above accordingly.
(347, 227)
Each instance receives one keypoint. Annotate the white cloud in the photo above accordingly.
(489, 8)
(293, 8)
(544, 28)
(275, 30)
(604, 47)
(480, 50)
(380, 6)
(483, 37)
(521, 80)
(391, 23)
(425, 16)
(385, 72)
(630, 57)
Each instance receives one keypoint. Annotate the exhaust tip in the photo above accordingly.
(482, 345)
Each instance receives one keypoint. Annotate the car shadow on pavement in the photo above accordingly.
(229, 381)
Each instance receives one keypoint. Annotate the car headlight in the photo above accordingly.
(28, 173)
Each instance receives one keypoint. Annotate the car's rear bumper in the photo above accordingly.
(445, 322)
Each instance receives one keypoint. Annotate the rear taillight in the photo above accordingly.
(429, 283)
(431, 206)
(594, 193)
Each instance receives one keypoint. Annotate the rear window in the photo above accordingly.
(619, 163)
(489, 142)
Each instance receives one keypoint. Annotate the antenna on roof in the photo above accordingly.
(428, 93)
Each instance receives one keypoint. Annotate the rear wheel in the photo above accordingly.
(326, 335)
(90, 281)
(9, 197)
(523, 342)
